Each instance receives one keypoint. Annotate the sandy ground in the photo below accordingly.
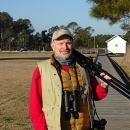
(118, 59)
(15, 80)
(122, 64)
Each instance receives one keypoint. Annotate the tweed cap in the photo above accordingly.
(61, 32)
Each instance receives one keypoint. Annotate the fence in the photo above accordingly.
(93, 50)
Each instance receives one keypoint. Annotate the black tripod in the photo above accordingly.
(96, 69)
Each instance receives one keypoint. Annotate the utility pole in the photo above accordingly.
(94, 45)
(94, 42)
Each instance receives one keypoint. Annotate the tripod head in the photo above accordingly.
(46, 37)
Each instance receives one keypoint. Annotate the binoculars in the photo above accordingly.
(71, 104)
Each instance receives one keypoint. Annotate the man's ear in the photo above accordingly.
(73, 44)
(52, 45)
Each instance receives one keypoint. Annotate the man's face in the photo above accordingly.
(63, 47)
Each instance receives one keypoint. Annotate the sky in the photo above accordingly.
(45, 14)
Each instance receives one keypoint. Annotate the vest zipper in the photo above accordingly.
(75, 121)
(70, 82)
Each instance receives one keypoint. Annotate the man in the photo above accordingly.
(61, 91)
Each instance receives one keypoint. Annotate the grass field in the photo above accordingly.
(120, 62)
(15, 80)
(16, 54)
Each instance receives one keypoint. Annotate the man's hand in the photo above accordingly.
(104, 84)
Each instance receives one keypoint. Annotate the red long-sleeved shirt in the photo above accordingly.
(35, 100)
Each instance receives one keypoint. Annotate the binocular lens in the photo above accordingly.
(75, 115)
(67, 115)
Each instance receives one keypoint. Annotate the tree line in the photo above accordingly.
(22, 32)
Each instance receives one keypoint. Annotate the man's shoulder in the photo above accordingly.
(43, 62)
(43, 65)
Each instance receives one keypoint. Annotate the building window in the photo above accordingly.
(116, 45)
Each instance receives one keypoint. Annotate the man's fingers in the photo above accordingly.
(105, 76)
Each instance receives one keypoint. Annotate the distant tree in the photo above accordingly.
(63, 27)
(32, 42)
(72, 26)
(8, 38)
(6, 22)
(100, 40)
(23, 29)
(38, 41)
(82, 36)
(53, 29)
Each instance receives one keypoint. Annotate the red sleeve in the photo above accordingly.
(35, 103)
(98, 91)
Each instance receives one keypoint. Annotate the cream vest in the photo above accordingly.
(52, 94)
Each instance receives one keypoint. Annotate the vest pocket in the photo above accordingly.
(49, 114)
(49, 99)
(48, 107)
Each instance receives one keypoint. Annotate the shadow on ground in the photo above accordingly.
(121, 72)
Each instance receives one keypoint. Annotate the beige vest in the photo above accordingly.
(52, 94)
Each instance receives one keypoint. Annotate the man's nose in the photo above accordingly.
(65, 46)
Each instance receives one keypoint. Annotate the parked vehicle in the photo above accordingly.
(21, 48)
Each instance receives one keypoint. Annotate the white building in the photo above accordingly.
(116, 45)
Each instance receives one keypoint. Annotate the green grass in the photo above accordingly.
(126, 69)
(20, 124)
(8, 119)
(123, 70)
